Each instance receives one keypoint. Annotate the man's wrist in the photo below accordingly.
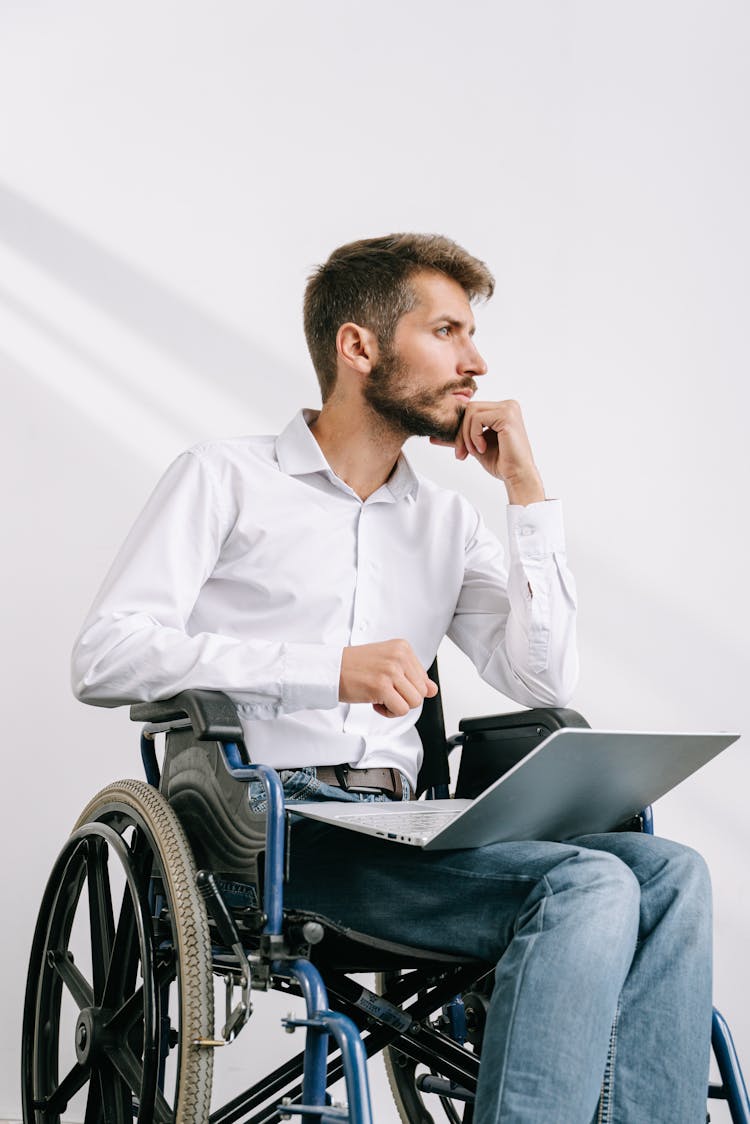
(522, 492)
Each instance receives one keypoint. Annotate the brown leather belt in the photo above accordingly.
(372, 781)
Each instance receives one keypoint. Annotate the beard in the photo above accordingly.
(411, 413)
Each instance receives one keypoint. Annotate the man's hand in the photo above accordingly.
(387, 674)
(494, 433)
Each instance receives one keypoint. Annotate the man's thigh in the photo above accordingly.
(465, 901)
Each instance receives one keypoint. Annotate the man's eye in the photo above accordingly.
(445, 330)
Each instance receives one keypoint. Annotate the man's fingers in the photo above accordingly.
(395, 700)
(410, 692)
(460, 444)
(386, 674)
(403, 700)
(475, 440)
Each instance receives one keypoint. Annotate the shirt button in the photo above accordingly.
(527, 530)
(362, 626)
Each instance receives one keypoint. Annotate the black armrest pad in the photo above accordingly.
(494, 744)
(212, 714)
(548, 717)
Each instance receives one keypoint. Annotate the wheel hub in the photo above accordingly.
(90, 1034)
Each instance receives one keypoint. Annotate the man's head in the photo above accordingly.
(371, 283)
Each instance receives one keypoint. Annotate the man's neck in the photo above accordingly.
(360, 448)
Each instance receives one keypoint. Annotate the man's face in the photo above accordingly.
(421, 384)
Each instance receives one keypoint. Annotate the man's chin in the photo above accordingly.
(419, 421)
(446, 431)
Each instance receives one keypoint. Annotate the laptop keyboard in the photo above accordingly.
(402, 823)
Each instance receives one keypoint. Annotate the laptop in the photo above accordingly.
(578, 781)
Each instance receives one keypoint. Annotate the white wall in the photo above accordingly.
(171, 171)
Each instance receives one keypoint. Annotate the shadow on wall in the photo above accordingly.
(183, 333)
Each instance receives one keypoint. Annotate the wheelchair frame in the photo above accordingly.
(427, 1009)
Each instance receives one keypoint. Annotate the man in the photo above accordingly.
(312, 577)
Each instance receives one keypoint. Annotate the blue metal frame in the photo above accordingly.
(320, 1023)
(273, 882)
(732, 1088)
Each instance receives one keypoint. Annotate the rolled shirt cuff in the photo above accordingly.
(310, 679)
(536, 531)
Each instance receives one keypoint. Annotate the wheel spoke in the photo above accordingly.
(124, 956)
(101, 916)
(68, 1087)
(116, 1097)
(126, 1016)
(94, 1106)
(76, 983)
(127, 1065)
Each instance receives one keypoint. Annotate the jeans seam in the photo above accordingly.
(606, 1100)
(519, 982)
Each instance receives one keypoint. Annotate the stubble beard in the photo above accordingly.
(408, 415)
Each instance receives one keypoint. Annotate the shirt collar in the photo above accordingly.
(298, 454)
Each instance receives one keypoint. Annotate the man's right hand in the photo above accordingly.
(387, 674)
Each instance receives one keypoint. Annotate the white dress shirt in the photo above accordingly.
(253, 565)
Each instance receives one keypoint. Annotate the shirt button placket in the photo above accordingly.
(362, 618)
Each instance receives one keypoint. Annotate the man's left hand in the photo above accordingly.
(494, 434)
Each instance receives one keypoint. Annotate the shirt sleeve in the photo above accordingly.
(135, 644)
(517, 621)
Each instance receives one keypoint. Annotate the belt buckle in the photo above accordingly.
(342, 776)
(395, 791)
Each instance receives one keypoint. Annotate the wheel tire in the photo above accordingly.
(400, 1072)
(150, 990)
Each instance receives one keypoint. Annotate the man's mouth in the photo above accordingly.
(464, 393)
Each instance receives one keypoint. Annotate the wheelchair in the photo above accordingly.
(168, 884)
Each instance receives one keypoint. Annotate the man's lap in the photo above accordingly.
(463, 901)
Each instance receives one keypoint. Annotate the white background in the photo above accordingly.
(170, 172)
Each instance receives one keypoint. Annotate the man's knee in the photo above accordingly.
(675, 867)
(684, 883)
(603, 891)
(673, 878)
(689, 869)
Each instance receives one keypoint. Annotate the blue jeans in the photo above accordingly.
(601, 1009)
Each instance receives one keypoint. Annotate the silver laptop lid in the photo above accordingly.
(577, 782)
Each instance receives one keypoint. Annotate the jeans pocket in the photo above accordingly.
(256, 796)
(299, 784)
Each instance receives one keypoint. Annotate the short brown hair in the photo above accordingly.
(367, 282)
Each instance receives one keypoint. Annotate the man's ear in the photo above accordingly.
(356, 347)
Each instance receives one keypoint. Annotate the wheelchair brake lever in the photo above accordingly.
(236, 1017)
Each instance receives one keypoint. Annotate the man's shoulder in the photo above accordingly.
(233, 446)
(446, 502)
(219, 451)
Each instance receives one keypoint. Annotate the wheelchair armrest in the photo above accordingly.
(548, 718)
(495, 743)
(212, 714)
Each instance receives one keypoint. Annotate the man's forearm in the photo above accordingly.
(525, 489)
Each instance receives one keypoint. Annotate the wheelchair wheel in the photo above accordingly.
(120, 984)
(404, 1075)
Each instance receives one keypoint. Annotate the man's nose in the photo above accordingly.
(472, 361)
